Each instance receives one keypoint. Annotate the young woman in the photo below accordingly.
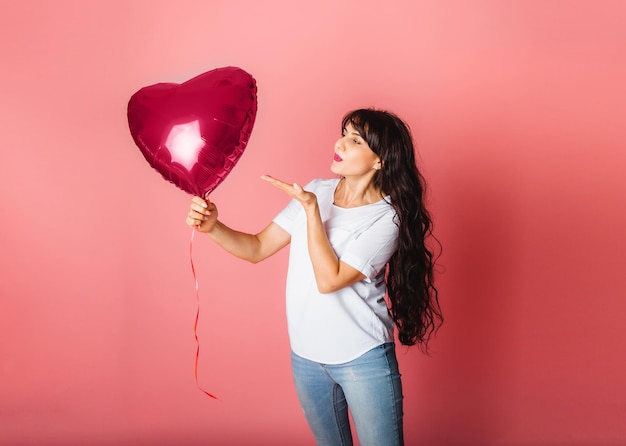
(353, 241)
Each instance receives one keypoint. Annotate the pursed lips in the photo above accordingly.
(337, 158)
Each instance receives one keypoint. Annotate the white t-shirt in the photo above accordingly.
(340, 326)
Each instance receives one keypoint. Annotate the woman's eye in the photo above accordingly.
(356, 141)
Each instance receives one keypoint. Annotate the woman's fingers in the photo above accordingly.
(276, 182)
(199, 211)
(199, 200)
(199, 204)
(291, 189)
(202, 206)
(195, 218)
(294, 190)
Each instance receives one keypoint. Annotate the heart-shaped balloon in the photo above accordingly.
(194, 133)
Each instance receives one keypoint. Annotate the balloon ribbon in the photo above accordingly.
(195, 325)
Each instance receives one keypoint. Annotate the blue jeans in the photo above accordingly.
(369, 385)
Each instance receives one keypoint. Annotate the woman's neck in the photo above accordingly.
(351, 193)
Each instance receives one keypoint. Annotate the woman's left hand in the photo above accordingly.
(307, 199)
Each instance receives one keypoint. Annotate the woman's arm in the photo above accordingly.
(251, 247)
(331, 274)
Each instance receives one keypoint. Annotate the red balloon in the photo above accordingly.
(194, 133)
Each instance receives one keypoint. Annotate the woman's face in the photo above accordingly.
(353, 156)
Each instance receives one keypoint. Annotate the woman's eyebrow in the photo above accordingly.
(354, 132)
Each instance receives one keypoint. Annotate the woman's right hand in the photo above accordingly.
(202, 215)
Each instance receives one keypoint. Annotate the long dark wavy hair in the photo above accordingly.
(413, 297)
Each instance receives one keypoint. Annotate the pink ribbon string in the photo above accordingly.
(195, 325)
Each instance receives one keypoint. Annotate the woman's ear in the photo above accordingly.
(378, 164)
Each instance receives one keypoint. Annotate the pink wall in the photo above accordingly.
(518, 111)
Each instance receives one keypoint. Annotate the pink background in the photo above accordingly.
(518, 110)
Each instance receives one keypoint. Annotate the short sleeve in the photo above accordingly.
(287, 217)
(372, 249)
